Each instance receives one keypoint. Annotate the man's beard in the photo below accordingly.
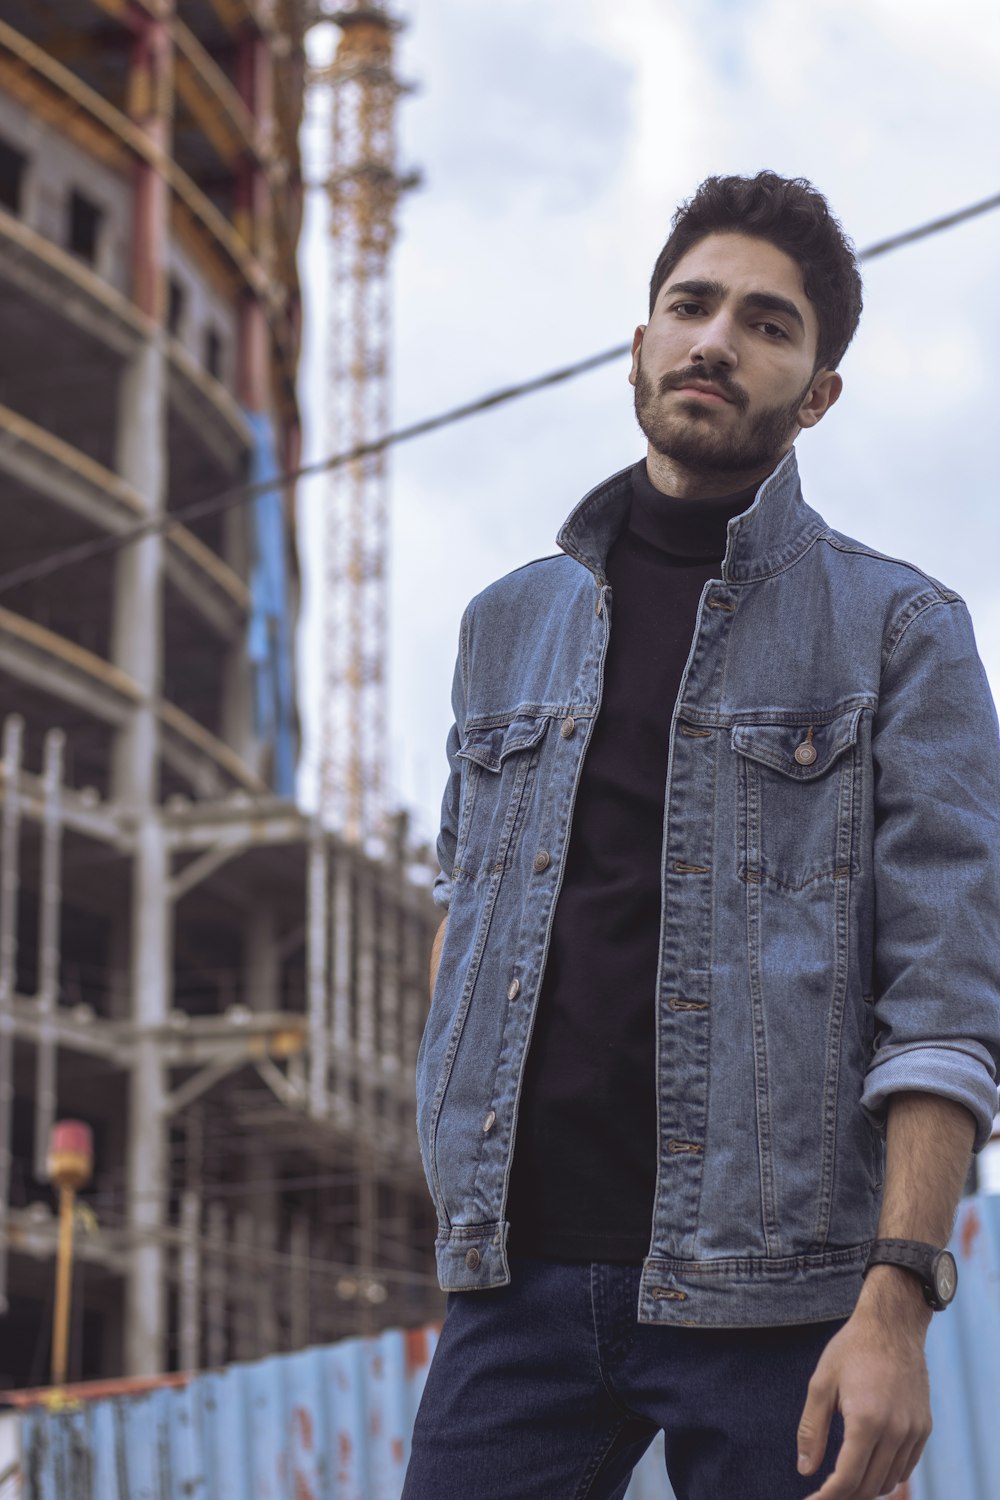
(692, 442)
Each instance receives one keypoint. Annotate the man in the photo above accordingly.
(720, 859)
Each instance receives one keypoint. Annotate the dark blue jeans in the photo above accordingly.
(549, 1389)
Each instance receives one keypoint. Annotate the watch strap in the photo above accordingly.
(913, 1255)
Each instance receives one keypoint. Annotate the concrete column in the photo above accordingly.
(317, 967)
(300, 1320)
(239, 711)
(191, 1263)
(414, 1007)
(146, 1161)
(217, 1286)
(137, 647)
(239, 716)
(245, 1277)
(266, 1212)
(137, 626)
(365, 1057)
(390, 1005)
(343, 1070)
(261, 959)
(141, 444)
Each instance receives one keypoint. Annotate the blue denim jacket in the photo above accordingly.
(830, 926)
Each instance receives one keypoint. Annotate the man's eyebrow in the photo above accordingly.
(698, 288)
(762, 301)
(772, 302)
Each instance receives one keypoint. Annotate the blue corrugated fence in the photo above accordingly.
(334, 1423)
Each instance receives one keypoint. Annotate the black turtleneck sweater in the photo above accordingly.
(584, 1170)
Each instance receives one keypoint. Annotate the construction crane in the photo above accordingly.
(358, 92)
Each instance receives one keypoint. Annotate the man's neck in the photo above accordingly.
(671, 478)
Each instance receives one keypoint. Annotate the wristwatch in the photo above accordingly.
(935, 1268)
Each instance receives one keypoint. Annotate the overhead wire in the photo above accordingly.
(244, 492)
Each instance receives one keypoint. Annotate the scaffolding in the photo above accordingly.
(228, 992)
(258, 1222)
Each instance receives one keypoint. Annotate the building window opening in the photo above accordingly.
(84, 227)
(213, 353)
(12, 166)
(175, 307)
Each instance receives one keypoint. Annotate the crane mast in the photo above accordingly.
(363, 187)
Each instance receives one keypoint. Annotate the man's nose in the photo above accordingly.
(715, 343)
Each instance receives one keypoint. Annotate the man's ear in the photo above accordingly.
(636, 346)
(822, 393)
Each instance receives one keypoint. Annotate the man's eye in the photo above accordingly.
(773, 330)
(687, 309)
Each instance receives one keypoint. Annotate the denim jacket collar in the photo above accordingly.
(778, 527)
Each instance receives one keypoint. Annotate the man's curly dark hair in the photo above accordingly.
(792, 215)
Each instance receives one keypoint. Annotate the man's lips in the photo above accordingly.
(699, 386)
(705, 393)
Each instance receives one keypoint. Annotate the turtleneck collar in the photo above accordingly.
(683, 527)
(776, 529)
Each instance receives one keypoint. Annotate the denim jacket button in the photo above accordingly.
(541, 861)
(805, 753)
(472, 1259)
(513, 989)
(490, 1121)
(568, 727)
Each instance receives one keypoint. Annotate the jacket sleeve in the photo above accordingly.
(448, 835)
(936, 760)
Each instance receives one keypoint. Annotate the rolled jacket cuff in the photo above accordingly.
(441, 891)
(943, 1068)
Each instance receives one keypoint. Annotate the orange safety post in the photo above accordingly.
(70, 1163)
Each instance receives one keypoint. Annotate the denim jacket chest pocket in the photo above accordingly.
(796, 800)
(499, 763)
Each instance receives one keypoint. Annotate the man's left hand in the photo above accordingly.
(874, 1372)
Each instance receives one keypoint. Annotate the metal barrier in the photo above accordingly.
(334, 1423)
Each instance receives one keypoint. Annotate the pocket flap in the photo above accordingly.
(490, 747)
(775, 744)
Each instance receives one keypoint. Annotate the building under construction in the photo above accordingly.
(229, 994)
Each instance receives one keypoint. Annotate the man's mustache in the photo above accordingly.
(717, 376)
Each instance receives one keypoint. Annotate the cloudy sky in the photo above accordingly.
(555, 138)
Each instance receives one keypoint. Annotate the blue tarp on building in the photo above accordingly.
(269, 641)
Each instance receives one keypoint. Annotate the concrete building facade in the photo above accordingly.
(229, 996)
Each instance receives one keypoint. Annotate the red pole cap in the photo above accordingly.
(71, 1154)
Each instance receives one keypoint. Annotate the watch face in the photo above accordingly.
(945, 1276)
